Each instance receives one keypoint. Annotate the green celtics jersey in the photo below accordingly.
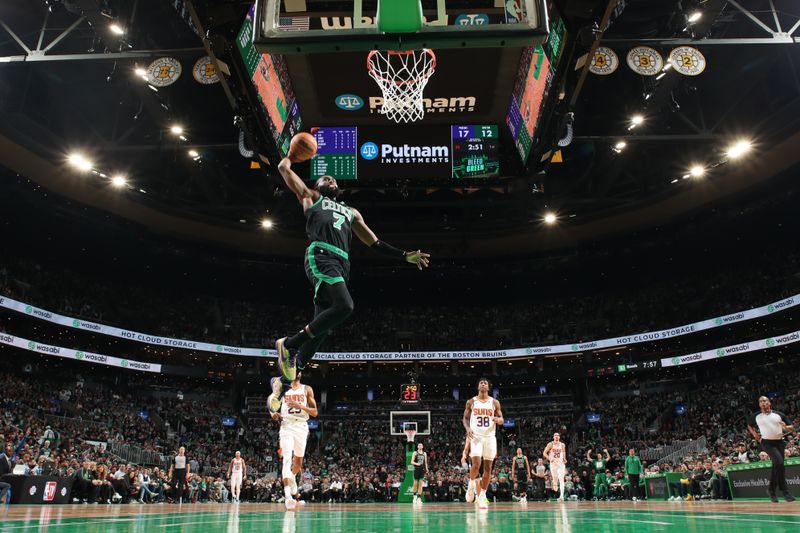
(330, 222)
(599, 465)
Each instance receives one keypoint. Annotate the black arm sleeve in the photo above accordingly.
(387, 249)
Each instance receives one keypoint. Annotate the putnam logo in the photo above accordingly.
(349, 102)
(405, 154)
(453, 104)
(369, 151)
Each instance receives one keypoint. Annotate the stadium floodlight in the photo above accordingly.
(176, 129)
(550, 218)
(139, 71)
(194, 153)
(738, 149)
(694, 17)
(266, 223)
(636, 120)
(116, 29)
(119, 181)
(80, 162)
(697, 171)
(620, 145)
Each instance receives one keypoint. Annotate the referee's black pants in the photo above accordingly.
(178, 483)
(777, 477)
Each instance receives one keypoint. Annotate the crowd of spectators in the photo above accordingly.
(376, 326)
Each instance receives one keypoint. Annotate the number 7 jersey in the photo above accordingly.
(481, 420)
(330, 222)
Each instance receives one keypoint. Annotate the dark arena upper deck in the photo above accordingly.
(254, 254)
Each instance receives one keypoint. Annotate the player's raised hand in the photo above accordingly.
(418, 258)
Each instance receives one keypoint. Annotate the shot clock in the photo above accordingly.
(409, 393)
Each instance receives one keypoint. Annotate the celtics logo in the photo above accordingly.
(204, 71)
(645, 61)
(687, 61)
(164, 71)
(604, 61)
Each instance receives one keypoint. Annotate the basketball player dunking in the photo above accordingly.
(481, 416)
(237, 473)
(329, 224)
(298, 404)
(556, 453)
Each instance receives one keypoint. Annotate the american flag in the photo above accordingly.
(293, 23)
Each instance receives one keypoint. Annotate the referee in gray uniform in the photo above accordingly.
(180, 475)
(772, 426)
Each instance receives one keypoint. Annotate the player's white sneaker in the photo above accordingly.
(470, 496)
(293, 486)
(291, 504)
(483, 502)
(274, 400)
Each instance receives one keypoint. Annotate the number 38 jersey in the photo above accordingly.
(294, 416)
(330, 222)
(481, 421)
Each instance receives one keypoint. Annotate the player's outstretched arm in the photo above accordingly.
(305, 196)
(368, 237)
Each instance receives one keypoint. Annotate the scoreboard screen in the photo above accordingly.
(410, 393)
(406, 152)
(475, 151)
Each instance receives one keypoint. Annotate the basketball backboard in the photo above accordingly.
(399, 421)
(303, 26)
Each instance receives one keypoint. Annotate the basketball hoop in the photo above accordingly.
(402, 76)
(410, 434)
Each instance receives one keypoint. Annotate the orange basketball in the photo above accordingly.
(303, 147)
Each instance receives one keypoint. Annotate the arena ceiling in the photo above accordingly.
(68, 84)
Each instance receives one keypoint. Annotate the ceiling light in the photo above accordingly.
(661, 76)
(177, 130)
(620, 145)
(674, 181)
(194, 153)
(139, 71)
(738, 149)
(116, 29)
(697, 171)
(637, 119)
(694, 17)
(80, 162)
(266, 223)
(119, 181)
(550, 218)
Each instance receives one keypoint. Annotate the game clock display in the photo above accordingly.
(409, 393)
(475, 151)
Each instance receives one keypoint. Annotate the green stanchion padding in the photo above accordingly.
(404, 494)
(399, 16)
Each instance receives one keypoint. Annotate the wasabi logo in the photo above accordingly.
(124, 363)
(219, 348)
(676, 360)
(529, 351)
(718, 321)
(574, 347)
(28, 309)
(79, 356)
(31, 345)
(263, 352)
(771, 308)
(76, 323)
(770, 343)
(720, 352)
(349, 102)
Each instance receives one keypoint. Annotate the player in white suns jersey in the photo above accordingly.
(298, 404)
(556, 453)
(236, 473)
(481, 416)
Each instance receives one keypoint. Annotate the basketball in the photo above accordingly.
(303, 147)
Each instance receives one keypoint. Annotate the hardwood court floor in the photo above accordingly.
(570, 517)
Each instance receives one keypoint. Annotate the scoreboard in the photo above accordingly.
(406, 152)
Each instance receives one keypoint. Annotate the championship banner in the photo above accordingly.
(735, 349)
(87, 357)
(652, 336)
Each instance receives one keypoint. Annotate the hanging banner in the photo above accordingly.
(205, 72)
(687, 61)
(604, 62)
(87, 357)
(164, 71)
(651, 336)
(645, 61)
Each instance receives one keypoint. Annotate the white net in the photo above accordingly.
(402, 76)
